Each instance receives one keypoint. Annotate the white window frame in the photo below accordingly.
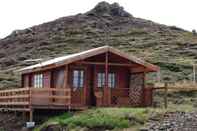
(78, 78)
(112, 80)
(101, 80)
(38, 81)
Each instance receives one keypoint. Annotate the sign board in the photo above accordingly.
(30, 124)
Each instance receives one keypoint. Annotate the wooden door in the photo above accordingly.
(78, 86)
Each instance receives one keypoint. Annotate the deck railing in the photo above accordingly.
(25, 98)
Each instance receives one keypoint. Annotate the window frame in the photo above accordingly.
(79, 80)
(101, 79)
(112, 80)
(38, 80)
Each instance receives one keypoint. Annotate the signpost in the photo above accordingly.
(30, 124)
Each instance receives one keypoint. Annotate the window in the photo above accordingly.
(101, 80)
(38, 81)
(111, 80)
(59, 78)
(78, 78)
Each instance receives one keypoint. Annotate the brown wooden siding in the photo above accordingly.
(25, 80)
(78, 96)
(86, 96)
(46, 84)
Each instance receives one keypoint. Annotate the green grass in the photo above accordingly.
(108, 118)
(114, 118)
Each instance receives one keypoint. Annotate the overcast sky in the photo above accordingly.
(20, 14)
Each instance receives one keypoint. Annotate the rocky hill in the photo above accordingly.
(170, 47)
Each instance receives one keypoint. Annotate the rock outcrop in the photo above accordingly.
(105, 24)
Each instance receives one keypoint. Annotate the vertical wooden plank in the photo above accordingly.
(107, 97)
(24, 115)
(47, 84)
(95, 67)
(66, 77)
(67, 101)
(84, 94)
(30, 97)
(22, 81)
(31, 115)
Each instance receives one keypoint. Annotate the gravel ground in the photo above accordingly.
(10, 122)
(174, 121)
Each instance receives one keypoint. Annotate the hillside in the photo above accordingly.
(170, 47)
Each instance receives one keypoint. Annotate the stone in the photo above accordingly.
(106, 9)
(175, 121)
(144, 129)
(52, 128)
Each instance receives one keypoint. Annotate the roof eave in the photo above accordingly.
(93, 52)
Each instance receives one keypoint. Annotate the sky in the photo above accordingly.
(21, 14)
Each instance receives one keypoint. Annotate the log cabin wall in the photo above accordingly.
(120, 95)
(47, 79)
(90, 84)
(120, 92)
(46, 84)
(78, 95)
(25, 80)
(57, 81)
(89, 100)
(28, 79)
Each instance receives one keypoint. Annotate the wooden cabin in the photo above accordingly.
(101, 76)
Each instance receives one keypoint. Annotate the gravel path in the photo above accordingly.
(10, 122)
(175, 121)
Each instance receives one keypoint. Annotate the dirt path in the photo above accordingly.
(10, 122)
(175, 121)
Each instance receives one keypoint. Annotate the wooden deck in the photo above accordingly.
(26, 99)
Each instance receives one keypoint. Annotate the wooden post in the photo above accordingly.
(66, 76)
(106, 91)
(165, 96)
(30, 106)
(31, 115)
(84, 94)
(24, 115)
(67, 101)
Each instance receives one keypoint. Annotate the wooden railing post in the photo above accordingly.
(31, 115)
(30, 97)
(30, 106)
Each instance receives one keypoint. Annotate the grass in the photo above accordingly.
(107, 118)
(125, 118)
(119, 118)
